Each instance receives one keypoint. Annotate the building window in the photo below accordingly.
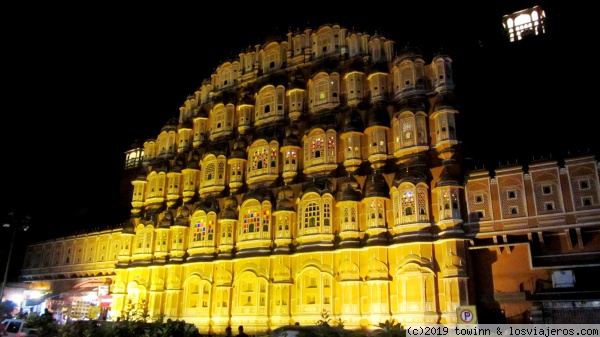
(480, 214)
(511, 194)
(546, 189)
(549, 206)
(587, 201)
(584, 184)
(479, 199)
(514, 210)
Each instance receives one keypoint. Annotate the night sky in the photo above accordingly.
(81, 84)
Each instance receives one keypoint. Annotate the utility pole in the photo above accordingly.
(12, 224)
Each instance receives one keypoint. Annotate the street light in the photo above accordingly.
(15, 224)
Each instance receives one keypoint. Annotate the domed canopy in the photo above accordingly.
(285, 199)
(353, 122)
(166, 221)
(450, 176)
(239, 148)
(349, 189)
(378, 116)
(171, 125)
(410, 174)
(292, 135)
(410, 52)
(376, 186)
(443, 101)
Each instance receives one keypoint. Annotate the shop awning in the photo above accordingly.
(36, 301)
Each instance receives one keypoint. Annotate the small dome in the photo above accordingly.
(378, 116)
(410, 174)
(230, 208)
(166, 221)
(349, 189)
(178, 163)
(202, 112)
(292, 136)
(128, 227)
(319, 185)
(444, 101)
(410, 52)
(229, 214)
(171, 125)
(353, 122)
(376, 186)
(449, 176)
(193, 161)
(230, 202)
(239, 148)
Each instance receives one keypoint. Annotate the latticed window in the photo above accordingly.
(162, 241)
(221, 170)
(190, 181)
(272, 59)
(408, 206)
(352, 147)
(377, 85)
(245, 112)
(407, 137)
(273, 157)
(421, 129)
(331, 146)
(406, 75)
(448, 204)
(296, 100)
(260, 158)
(312, 215)
(320, 148)
(148, 240)
(200, 229)
(327, 213)
(236, 170)
(317, 148)
(218, 118)
(422, 203)
(251, 221)
(209, 172)
(177, 242)
(478, 202)
(544, 196)
(321, 91)
(511, 200)
(291, 158)
(266, 219)
(354, 86)
(349, 219)
(375, 213)
(378, 141)
(226, 232)
(283, 225)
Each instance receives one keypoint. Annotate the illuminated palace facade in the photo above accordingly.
(321, 172)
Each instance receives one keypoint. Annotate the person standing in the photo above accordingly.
(241, 332)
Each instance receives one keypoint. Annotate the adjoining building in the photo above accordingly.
(321, 172)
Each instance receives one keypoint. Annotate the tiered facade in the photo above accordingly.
(319, 172)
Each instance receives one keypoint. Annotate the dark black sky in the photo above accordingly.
(82, 83)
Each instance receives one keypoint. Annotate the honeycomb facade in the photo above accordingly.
(321, 172)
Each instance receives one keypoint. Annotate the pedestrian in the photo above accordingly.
(241, 332)
(228, 332)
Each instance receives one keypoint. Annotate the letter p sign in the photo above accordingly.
(466, 314)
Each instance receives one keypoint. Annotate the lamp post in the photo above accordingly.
(15, 224)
